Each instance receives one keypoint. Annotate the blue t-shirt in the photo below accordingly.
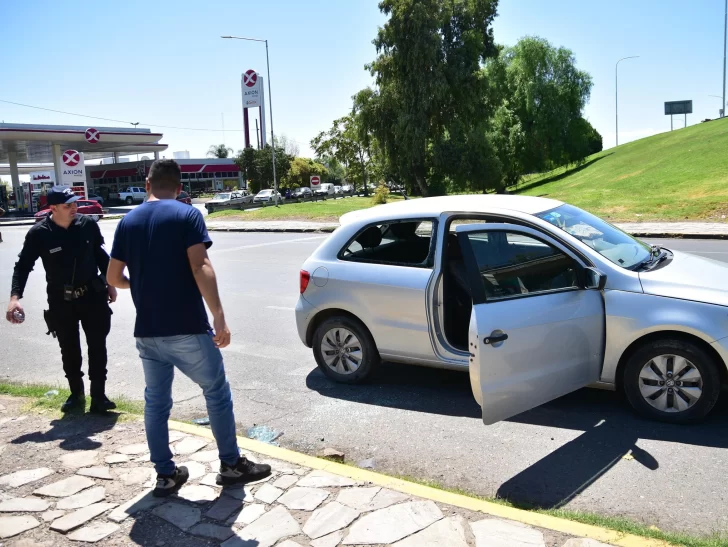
(153, 240)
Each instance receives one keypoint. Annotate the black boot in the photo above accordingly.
(77, 400)
(100, 403)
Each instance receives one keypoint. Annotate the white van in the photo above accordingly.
(325, 189)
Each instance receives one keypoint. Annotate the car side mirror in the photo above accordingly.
(594, 279)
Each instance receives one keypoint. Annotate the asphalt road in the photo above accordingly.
(411, 421)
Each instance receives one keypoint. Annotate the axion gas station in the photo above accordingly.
(54, 154)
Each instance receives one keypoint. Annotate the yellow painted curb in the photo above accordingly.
(519, 515)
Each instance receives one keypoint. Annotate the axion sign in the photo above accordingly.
(92, 135)
(71, 158)
(250, 78)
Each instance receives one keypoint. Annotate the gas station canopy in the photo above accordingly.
(27, 143)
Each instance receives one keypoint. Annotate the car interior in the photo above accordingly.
(402, 243)
(510, 265)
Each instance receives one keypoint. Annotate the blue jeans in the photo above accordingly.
(196, 356)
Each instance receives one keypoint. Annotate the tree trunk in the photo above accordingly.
(422, 185)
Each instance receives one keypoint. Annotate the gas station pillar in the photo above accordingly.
(15, 177)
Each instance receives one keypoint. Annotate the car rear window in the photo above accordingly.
(401, 243)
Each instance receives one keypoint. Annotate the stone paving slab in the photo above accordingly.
(295, 506)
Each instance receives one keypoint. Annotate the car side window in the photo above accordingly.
(516, 264)
(404, 243)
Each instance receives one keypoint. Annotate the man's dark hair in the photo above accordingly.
(165, 175)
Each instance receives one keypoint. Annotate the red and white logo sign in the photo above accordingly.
(71, 158)
(315, 180)
(92, 135)
(250, 78)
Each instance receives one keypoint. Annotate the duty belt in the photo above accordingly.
(79, 292)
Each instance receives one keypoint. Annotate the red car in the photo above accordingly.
(90, 208)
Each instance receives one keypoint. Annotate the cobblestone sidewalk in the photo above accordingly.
(87, 479)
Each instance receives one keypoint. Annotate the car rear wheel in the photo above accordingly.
(672, 381)
(129, 201)
(345, 350)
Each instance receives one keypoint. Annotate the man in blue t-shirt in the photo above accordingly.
(164, 243)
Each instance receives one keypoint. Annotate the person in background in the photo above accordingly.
(71, 248)
(169, 276)
(2, 212)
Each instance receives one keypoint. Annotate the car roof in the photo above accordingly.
(430, 207)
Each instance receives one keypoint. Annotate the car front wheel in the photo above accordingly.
(672, 381)
(345, 350)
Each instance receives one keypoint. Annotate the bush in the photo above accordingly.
(380, 195)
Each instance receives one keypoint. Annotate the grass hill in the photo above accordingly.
(677, 175)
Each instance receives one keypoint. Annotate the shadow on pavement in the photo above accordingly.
(611, 429)
(73, 430)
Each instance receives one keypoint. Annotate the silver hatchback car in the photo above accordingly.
(535, 297)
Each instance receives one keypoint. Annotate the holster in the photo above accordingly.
(50, 320)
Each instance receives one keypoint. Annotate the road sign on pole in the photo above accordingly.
(315, 181)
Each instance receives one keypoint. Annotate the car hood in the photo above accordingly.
(689, 277)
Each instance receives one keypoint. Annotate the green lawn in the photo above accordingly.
(329, 210)
(673, 176)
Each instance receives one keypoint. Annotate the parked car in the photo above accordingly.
(325, 189)
(337, 190)
(266, 196)
(85, 207)
(184, 197)
(133, 194)
(535, 297)
(96, 198)
(227, 199)
(300, 193)
(347, 189)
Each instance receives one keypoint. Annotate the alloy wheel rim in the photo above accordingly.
(670, 383)
(341, 351)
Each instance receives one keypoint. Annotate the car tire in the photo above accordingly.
(702, 374)
(129, 201)
(368, 362)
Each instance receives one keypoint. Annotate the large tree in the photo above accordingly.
(541, 96)
(301, 171)
(429, 82)
(257, 165)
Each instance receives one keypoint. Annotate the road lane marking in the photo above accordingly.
(256, 245)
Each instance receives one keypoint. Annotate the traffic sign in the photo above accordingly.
(315, 181)
(250, 78)
(71, 158)
(92, 135)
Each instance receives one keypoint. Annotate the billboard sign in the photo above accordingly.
(678, 107)
(252, 86)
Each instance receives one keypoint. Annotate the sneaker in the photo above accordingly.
(240, 473)
(170, 484)
(101, 405)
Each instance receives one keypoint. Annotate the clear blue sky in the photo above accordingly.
(162, 62)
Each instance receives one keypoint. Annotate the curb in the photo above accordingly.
(458, 500)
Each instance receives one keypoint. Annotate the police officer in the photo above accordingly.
(70, 246)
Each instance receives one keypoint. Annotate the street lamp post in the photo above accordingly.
(722, 110)
(616, 102)
(270, 107)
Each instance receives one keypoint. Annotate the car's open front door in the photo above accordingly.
(537, 328)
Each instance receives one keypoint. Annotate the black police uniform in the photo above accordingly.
(72, 259)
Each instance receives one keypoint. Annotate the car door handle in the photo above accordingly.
(495, 339)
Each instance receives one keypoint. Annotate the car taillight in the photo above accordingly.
(305, 278)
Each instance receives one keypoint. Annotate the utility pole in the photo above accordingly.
(725, 33)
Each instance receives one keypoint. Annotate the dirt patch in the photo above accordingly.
(628, 175)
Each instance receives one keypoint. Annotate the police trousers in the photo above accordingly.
(92, 311)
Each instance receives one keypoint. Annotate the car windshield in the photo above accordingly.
(222, 196)
(609, 241)
(265, 192)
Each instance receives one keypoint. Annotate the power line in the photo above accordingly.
(115, 121)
